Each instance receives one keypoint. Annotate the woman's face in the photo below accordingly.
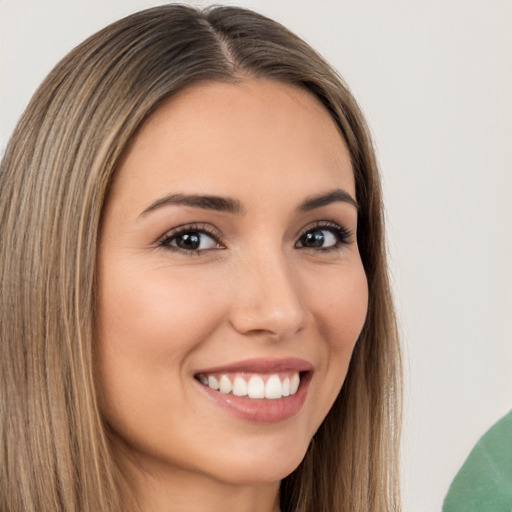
(228, 258)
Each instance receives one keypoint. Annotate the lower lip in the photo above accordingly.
(261, 410)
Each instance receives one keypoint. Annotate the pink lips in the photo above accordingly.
(262, 365)
(255, 409)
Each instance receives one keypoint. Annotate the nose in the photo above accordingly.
(268, 298)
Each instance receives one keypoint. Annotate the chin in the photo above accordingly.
(263, 466)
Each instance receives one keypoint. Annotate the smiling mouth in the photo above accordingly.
(270, 386)
(260, 390)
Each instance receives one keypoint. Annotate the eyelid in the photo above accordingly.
(347, 235)
(199, 227)
(344, 235)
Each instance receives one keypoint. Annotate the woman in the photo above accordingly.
(195, 307)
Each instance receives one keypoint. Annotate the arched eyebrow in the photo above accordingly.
(220, 204)
(234, 206)
(334, 196)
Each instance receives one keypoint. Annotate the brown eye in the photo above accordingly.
(191, 240)
(323, 237)
(316, 238)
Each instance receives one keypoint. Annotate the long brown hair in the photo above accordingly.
(54, 178)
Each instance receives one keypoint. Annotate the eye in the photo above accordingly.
(190, 239)
(326, 236)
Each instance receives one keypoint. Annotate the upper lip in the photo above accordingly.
(262, 365)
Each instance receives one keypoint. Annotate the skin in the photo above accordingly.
(251, 290)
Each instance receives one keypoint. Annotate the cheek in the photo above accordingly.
(147, 328)
(341, 309)
(340, 313)
(149, 314)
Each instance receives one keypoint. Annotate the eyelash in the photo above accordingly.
(203, 229)
(342, 235)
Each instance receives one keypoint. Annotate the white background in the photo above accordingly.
(435, 81)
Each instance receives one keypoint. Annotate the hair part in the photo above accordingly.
(54, 180)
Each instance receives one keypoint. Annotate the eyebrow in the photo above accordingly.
(230, 205)
(334, 196)
(220, 204)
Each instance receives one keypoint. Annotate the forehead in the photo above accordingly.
(236, 138)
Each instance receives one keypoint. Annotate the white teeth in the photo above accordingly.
(273, 387)
(225, 385)
(256, 387)
(286, 387)
(239, 387)
(294, 383)
(212, 382)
